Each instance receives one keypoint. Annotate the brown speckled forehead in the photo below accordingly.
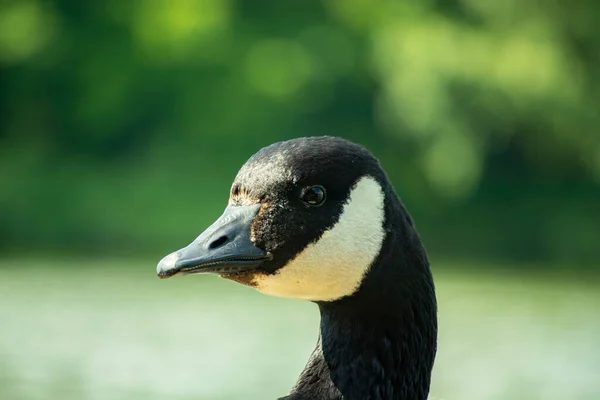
(264, 170)
(241, 196)
(262, 175)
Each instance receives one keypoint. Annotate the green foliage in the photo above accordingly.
(124, 122)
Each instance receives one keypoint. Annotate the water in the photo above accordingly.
(111, 331)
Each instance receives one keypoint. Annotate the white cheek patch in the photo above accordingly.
(334, 266)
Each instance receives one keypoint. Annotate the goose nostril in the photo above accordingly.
(218, 243)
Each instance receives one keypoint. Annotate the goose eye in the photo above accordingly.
(314, 195)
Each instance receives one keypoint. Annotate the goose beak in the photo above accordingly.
(224, 248)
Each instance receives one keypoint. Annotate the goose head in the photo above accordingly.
(317, 219)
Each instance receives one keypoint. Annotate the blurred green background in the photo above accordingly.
(124, 122)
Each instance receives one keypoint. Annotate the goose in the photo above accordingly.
(317, 219)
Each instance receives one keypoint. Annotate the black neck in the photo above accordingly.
(367, 356)
(376, 356)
